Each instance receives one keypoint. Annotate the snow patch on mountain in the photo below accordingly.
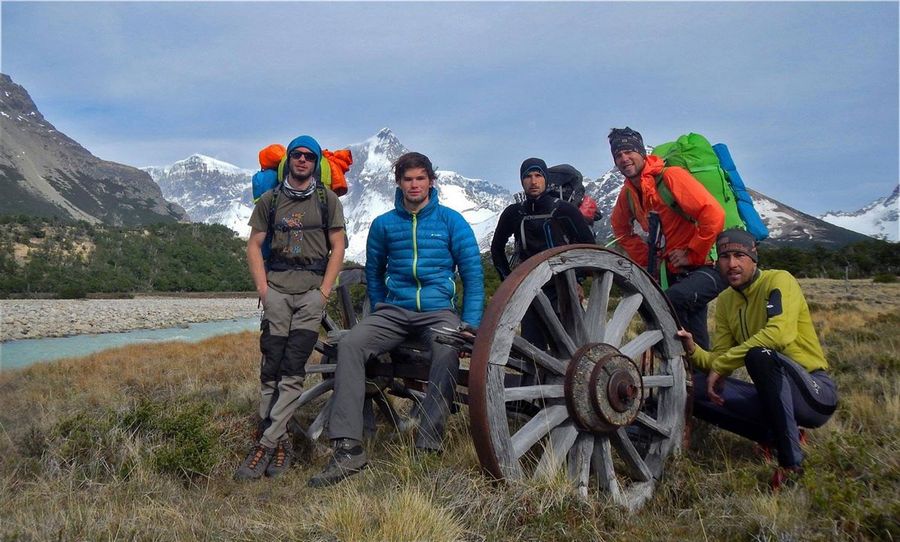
(879, 219)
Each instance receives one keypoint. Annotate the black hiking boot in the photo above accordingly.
(281, 459)
(254, 465)
(347, 459)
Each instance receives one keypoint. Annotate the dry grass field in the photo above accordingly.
(140, 443)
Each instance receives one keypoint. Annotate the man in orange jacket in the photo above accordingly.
(683, 232)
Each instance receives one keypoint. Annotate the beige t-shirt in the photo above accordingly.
(298, 246)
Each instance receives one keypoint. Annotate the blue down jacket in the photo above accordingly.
(412, 260)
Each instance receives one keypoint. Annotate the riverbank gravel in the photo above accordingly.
(37, 318)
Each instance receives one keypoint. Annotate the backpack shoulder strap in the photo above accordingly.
(669, 199)
(323, 211)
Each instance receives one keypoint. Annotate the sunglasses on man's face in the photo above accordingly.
(310, 156)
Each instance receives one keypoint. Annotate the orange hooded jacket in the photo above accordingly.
(339, 162)
(693, 199)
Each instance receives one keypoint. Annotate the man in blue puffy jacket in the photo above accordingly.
(413, 255)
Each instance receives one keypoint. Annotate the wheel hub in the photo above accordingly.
(603, 388)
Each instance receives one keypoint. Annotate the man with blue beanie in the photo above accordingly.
(305, 223)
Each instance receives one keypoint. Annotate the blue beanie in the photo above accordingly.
(309, 143)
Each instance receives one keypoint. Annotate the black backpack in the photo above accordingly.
(566, 183)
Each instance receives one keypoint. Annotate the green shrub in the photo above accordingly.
(885, 278)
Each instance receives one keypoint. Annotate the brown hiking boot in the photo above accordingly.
(347, 459)
(281, 459)
(254, 465)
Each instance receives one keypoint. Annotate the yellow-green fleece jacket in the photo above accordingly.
(746, 319)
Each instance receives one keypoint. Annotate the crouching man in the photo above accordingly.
(305, 222)
(413, 255)
(762, 323)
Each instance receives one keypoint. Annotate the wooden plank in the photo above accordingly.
(653, 425)
(545, 310)
(561, 439)
(640, 344)
(537, 427)
(658, 381)
(546, 391)
(538, 356)
(598, 306)
(637, 469)
(621, 318)
(580, 463)
(602, 462)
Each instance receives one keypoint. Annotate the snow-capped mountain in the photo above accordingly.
(879, 219)
(213, 191)
(210, 190)
(43, 172)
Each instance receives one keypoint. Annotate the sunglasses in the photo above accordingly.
(310, 156)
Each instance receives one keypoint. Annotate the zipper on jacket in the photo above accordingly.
(416, 264)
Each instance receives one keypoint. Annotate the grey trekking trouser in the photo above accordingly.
(289, 332)
(381, 332)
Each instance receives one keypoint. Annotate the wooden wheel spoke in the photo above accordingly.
(653, 425)
(637, 468)
(658, 381)
(321, 368)
(315, 391)
(621, 318)
(526, 393)
(561, 439)
(580, 462)
(318, 424)
(603, 467)
(537, 355)
(641, 343)
(545, 310)
(570, 305)
(537, 427)
(598, 305)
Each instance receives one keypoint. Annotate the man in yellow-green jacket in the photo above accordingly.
(762, 323)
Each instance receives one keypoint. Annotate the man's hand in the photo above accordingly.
(687, 341)
(679, 258)
(261, 292)
(714, 385)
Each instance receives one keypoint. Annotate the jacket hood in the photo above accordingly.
(432, 203)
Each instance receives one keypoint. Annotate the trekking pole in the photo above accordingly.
(652, 242)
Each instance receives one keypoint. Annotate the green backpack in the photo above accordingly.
(694, 153)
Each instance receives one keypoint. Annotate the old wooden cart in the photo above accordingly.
(607, 404)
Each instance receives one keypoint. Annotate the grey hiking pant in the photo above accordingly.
(290, 328)
(381, 332)
(782, 397)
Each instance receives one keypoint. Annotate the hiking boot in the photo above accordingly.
(254, 465)
(347, 459)
(281, 459)
(766, 449)
(785, 477)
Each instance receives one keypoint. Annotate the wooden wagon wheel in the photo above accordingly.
(607, 404)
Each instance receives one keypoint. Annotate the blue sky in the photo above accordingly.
(805, 94)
